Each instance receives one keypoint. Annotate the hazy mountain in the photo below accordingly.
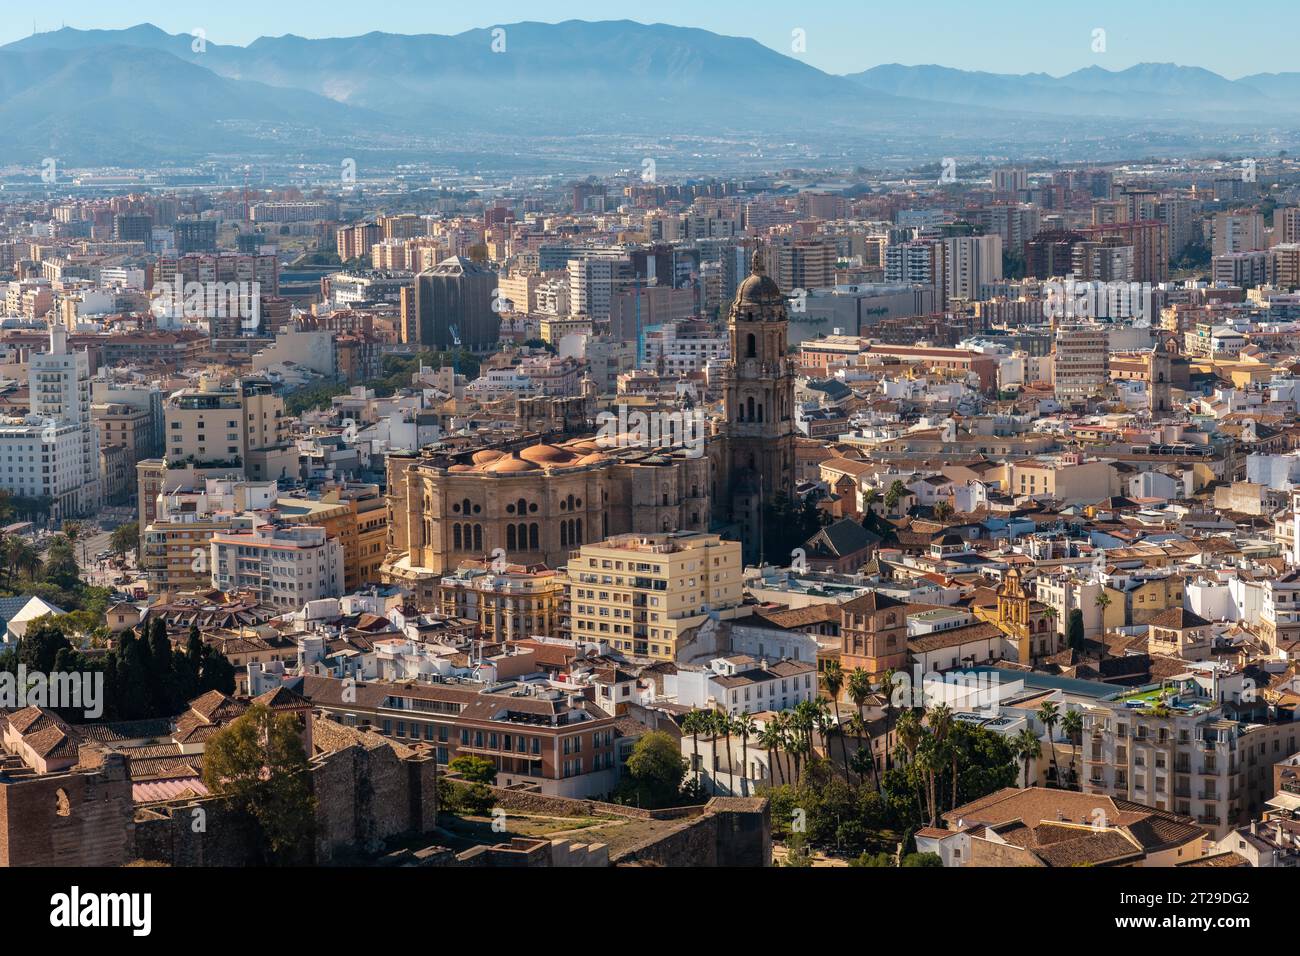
(109, 94)
(573, 76)
(1147, 89)
(108, 104)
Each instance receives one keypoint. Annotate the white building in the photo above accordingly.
(54, 451)
(740, 684)
(284, 566)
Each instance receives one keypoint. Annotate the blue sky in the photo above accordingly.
(842, 36)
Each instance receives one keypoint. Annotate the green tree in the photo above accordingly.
(257, 763)
(1027, 747)
(474, 769)
(655, 771)
(1072, 727)
(744, 728)
(922, 859)
(833, 681)
(1074, 630)
(60, 567)
(125, 538)
(896, 493)
(1049, 714)
(41, 644)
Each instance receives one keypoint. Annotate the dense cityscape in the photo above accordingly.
(800, 511)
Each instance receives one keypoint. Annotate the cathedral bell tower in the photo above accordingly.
(756, 460)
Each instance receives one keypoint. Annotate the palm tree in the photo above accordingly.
(859, 691)
(870, 498)
(896, 493)
(833, 681)
(1026, 746)
(857, 726)
(941, 723)
(1072, 727)
(887, 681)
(802, 721)
(692, 724)
(722, 726)
(942, 511)
(1050, 715)
(772, 737)
(911, 735)
(745, 727)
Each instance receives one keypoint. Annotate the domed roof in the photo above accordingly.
(547, 455)
(510, 464)
(485, 456)
(594, 458)
(583, 447)
(460, 469)
(758, 296)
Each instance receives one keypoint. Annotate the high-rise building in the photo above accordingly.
(1081, 366)
(133, 227)
(54, 452)
(195, 235)
(451, 306)
(1238, 232)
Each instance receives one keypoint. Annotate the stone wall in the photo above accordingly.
(195, 833)
(367, 790)
(732, 831)
(79, 818)
(525, 801)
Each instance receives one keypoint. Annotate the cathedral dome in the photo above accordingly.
(758, 297)
(486, 456)
(547, 455)
(510, 464)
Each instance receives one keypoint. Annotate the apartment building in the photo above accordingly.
(1197, 744)
(284, 566)
(1080, 364)
(53, 452)
(643, 593)
(509, 603)
(741, 684)
(538, 737)
(176, 534)
(216, 423)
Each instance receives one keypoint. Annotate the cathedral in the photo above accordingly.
(534, 500)
(754, 448)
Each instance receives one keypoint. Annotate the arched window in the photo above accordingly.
(478, 537)
(564, 534)
(749, 408)
(455, 537)
(533, 537)
(578, 531)
(751, 346)
(464, 506)
(510, 537)
(760, 411)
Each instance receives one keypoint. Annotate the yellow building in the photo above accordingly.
(640, 593)
(1065, 478)
(215, 423)
(510, 603)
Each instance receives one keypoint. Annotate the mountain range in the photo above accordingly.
(141, 95)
